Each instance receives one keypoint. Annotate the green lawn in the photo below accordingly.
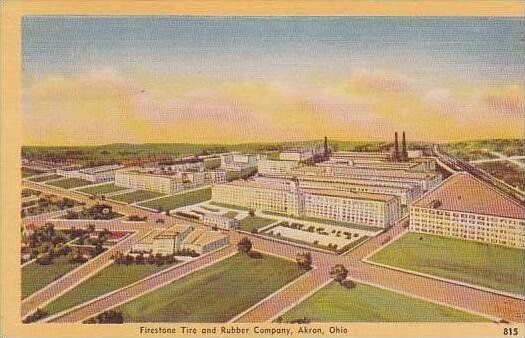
(481, 264)
(26, 172)
(102, 189)
(45, 178)
(229, 206)
(231, 214)
(328, 221)
(70, 183)
(136, 196)
(214, 294)
(365, 303)
(180, 200)
(249, 223)
(111, 278)
(35, 276)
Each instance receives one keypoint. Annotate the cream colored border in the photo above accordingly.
(13, 10)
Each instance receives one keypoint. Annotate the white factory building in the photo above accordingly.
(94, 174)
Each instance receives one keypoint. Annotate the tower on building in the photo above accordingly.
(396, 147)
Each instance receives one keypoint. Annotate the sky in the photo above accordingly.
(98, 80)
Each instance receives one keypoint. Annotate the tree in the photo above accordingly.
(251, 213)
(244, 245)
(338, 273)
(304, 260)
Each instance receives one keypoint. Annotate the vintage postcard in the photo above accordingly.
(263, 168)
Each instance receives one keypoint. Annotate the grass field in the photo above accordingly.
(508, 172)
(328, 221)
(26, 172)
(111, 278)
(249, 223)
(136, 196)
(45, 178)
(70, 183)
(35, 276)
(180, 200)
(365, 303)
(480, 149)
(214, 294)
(486, 265)
(229, 206)
(102, 189)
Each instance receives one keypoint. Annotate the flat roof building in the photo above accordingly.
(465, 207)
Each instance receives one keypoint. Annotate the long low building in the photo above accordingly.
(164, 183)
(276, 167)
(286, 197)
(427, 181)
(467, 208)
(165, 243)
(98, 174)
(204, 241)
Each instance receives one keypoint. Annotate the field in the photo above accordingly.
(26, 172)
(45, 178)
(102, 189)
(70, 183)
(180, 200)
(508, 172)
(476, 150)
(231, 214)
(111, 278)
(169, 151)
(237, 283)
(35, 276)
(364, 303)
(235, 175)
(136, 196)
(475, 263)
(255, 223)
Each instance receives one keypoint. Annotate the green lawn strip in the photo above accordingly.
(26, 172)
(36, 276)
(231, 214)
(214, 294)
(102, 189)
(235, 175)
(44, 178)
(229, 206)
(111, 278)
(136, 196)
(481, 264)
(364, 303)
(70, 183)
(249, 223)
(327, 221)
(180, 200)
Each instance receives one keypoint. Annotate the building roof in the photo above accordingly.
(203, 237)
(172, 231)
(350, 195)
(356, 181)
(366, 172)
(261, 185)
(464, 193)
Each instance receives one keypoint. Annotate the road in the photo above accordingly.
(464, 297)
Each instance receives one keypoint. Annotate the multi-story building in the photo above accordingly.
(239, 162)
(277, 196)
(165, 243)
(165, 183)
(94, 174)
(377, 210)
(276, 167)
(203, 242)
(286, 197)
(297, 155)
(220, 221)
(467, 208)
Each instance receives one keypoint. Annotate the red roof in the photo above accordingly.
(464, 193)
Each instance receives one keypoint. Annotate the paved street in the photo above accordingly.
(464, 297)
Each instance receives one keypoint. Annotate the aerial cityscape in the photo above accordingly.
(284, 170)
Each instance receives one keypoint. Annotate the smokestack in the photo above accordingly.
(326, 146)
(405, 153)
(396, 147)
